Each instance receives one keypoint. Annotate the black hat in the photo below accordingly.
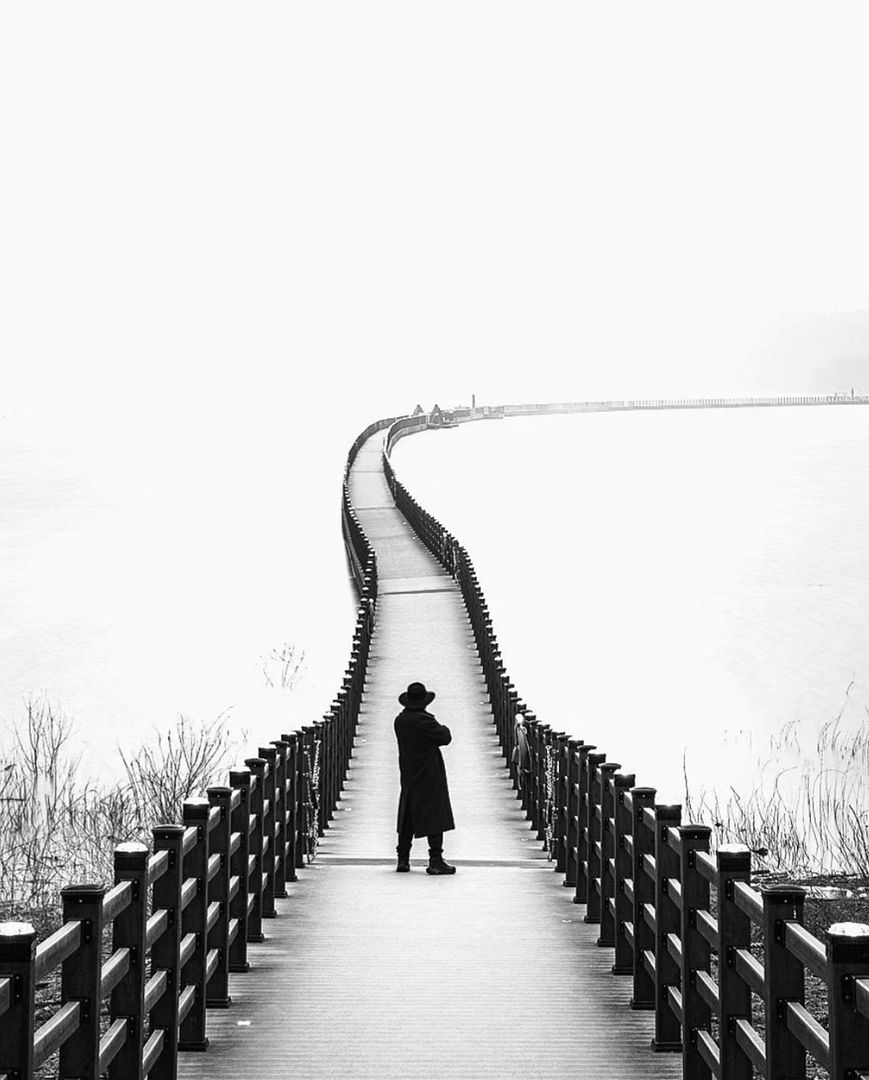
(416, 696)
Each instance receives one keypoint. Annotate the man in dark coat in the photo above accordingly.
(424, 804)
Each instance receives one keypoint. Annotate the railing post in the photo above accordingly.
(529, 795)
(606, 892)
(598, 772)
(217, 990)
(80, 981)
(642, 799)
(330, 737)
(320, 769)
(571, 811)
(281, 818)
(292, 805)
(257, 768)
(587, 762)
(734, 932)
(239, 781)
(129, 932)
(165, 952)
(668, 1031)
(191, 1035)
(18, 964)
(622, 909)
(848, 961)
(559, 825)
(301, 812)
(696, 1014)
(784, 981)
(269, 755)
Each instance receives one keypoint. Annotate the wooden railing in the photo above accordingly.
(142, 962)
(680, 921)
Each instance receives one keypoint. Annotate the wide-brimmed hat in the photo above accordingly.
(416, 696)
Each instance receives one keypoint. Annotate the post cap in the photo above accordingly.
(694, 832)
(848, 942)
(168, 832)
(733, 857)
(644, 793)
(10, 930)
(782, 894)
(83, 892)
(17, 942)
(195, 809)
(131, 856)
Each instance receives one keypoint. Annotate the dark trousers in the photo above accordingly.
(405, 839)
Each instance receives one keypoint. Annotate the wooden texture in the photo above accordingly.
(369, 973)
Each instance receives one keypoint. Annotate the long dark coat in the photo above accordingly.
(424, 791)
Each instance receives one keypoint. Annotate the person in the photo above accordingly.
(424, 807)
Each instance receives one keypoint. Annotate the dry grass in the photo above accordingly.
(58, 827)
(807, 818)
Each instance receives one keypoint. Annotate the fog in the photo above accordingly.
(232, 237)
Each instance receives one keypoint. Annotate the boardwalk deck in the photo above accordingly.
(369, 973)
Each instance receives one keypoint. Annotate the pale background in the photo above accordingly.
(232, 236)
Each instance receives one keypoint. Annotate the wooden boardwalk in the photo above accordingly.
(369, 973)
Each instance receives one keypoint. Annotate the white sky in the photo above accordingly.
(218, 221)
(210, 205)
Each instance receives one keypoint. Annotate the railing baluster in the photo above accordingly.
(587, 763)
(255, 853)
(165, 952)
(319, 771)
(571, 811)
(696, 1014)
(292, 803)
(734, 932)
(18, 963)
(217, 990)
(239, 781)
(644, 993)
(607, 884)
(784, 981)
(623, 913)
(269, 755)
(847, 961)
(191, 1035)
(281, 818)
(668, 1031)
(559, 825)
(128, 932)
(81, 980)
(597, 773)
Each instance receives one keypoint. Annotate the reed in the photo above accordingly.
(808, 811)
(57, 825)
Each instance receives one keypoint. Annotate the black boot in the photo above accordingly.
(403, 866)
(436, 865)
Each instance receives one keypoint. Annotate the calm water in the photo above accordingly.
(147, 575)
(669, 583)
(689, 581)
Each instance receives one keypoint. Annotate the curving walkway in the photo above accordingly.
(369, 973)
